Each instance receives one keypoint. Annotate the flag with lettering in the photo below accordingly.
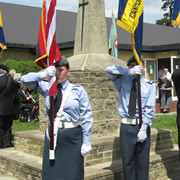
(130, 18)
(113, 43)
(47, 50)
(176, 13)
(2, 38)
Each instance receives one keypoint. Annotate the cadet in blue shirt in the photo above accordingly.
(176, 79)
(73, 140)
(134, 140)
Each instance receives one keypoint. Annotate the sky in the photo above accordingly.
(152, 8)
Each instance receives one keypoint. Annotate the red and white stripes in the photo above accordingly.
(52, 47)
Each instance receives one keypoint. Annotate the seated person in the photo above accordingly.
(27, 102)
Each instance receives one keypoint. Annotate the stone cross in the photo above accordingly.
(83, 4)
(91, 31)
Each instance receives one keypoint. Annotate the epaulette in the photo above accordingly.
(76, 85)
(45, 80)
(149, 81)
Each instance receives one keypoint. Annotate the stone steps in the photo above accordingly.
(24, 161)
(160, 167)
(104, 149)
(20, 165)
(25, 167)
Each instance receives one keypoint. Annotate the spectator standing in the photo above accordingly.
(8, 91)
(166, 95)
(167, 74)
(161, 74)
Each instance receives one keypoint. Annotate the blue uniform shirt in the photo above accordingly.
(123, 83)
(76, 108)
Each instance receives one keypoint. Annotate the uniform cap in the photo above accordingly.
(62, 62)
(132, 59)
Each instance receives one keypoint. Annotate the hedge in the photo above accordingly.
(22, 67)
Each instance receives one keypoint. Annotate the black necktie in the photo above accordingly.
(132, 99)
(58, 99)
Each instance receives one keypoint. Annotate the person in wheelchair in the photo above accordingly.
(27, 103)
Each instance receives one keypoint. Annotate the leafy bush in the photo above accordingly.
(22, 67)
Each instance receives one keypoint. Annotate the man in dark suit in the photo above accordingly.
(8, 90)
(176, 78)
(26, 102)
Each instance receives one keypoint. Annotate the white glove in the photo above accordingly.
(86, 148)
(136, 70)
(48, 72)
(142, 136)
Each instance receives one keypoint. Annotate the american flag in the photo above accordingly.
(47, 49)
(47, 54)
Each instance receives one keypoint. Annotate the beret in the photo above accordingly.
(132, 59)
(62, 62)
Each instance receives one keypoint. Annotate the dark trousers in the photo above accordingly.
(135, 155)
(6, 122)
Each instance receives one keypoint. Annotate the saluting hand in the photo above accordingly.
(48, 72)
(136, 70)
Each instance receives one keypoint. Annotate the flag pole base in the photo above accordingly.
(51, 155)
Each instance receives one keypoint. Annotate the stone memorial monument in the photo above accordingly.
(88, 66)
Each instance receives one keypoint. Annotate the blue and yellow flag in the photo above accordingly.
(130, 18)
(2, 38)
(113, 43)
(176, 13)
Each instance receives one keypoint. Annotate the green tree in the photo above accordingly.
(168, 8)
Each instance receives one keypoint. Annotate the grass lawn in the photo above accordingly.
(160, 121)
(24, 126)
(166, 122)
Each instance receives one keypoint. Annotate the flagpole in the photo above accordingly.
(51, 149)
(139, 100)
(51, 116)
(51, 157)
